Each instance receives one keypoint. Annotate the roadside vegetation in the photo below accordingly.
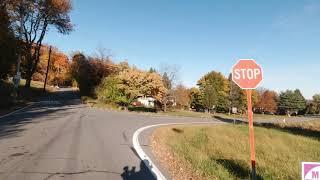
(25, 95)
(120, 85)
(222, 151)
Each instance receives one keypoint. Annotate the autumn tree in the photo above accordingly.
(89, 72)
(268, 102)
(182, 95)
(127, 85)
(38, 16)
(135, 83)
(214, 88)
(59, 67)
(291, 102)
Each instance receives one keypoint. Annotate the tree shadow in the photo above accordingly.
(239, 168)
(13, 125)
(143, 174)
(289, 129)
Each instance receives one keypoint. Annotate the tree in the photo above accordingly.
(8, 43)
(38, 15)
(237, 97)
(316, 102)
(196, 99)
(291, 102)
(109, 92)
(169, 77)
(182, 95)
(268, 102)
(89, 72)
(167, 81)
(134, 83)
(103, 54)
(152, 70)
(58, 69)
(214, 88)
(210, 97)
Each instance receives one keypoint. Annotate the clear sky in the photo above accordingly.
(205, 35)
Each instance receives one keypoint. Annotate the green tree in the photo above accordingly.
(152, 70)
(291, 102)
(316, 101)
(237, 97)
(196, 99)
(214, 88)
(109, 92)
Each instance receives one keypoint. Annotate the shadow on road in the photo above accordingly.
(53, 106)
(132, 174)
(293, 130)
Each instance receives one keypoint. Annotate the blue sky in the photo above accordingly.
(205, 35)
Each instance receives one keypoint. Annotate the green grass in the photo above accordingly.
(222, 151)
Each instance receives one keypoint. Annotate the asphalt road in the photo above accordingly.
(64, 139)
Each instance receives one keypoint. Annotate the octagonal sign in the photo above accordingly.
(247, 74)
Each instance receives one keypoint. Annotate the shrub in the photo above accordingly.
(109, 92)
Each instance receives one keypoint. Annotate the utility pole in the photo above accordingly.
(17, 77)
(48, 66)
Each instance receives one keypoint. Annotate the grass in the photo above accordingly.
(257, 117)
(306, 126)
(222, 151)
(182, 113)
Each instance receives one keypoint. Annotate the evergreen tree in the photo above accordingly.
(292, 102)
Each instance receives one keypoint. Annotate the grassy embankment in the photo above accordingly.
(25, 94)
(222, 151)
(257, 117)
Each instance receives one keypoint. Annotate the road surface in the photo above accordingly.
(64, 139)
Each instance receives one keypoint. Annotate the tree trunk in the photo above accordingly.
(28, 82)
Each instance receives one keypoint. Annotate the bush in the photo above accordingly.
(109, 92)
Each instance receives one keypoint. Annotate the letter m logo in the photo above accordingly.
(315, 175)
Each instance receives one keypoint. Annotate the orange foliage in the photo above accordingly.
(58, 70)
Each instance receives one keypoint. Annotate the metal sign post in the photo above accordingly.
(247, 74)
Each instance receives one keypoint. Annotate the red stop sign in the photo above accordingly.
(247, 74)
